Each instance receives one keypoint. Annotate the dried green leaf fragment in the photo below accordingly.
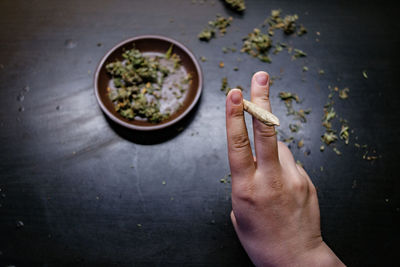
(169, 52)
(300, 144)
(344, 134)
(206, 35)
(289, 96)
(302, 30)
(337, 151)
(221, 23)
(289, 23)
(137, 81)
(298, 53)
(288, 140)
(257, 45)
(329, 137)
(224, 86)
(294, 128)
(237, 5)
(343, 94)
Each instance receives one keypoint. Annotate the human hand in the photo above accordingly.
(275, 209)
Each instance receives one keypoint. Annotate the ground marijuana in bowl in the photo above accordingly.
(147, 86)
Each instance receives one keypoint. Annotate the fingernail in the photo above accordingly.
(261, 79)
(236, 97)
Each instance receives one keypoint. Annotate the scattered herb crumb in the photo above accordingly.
(206, 34)
(364, 73)
(288, 140)
(294, 128)
(225, 180)
(344, 134)
(302, 30)
(257, 45)
(337, 151)
(298, 53)
(329, 137)
(220, 23)
(288, 98)
(224, 86)
(300, 144)
(237, 5)
(343, 94)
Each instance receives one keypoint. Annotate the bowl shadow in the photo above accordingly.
(156, 136)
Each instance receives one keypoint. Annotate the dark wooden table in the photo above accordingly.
(91, 193)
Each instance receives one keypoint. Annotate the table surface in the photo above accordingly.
(91, 193)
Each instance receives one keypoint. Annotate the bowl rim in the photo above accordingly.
(156, 126)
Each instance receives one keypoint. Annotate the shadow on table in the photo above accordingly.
(157, 136)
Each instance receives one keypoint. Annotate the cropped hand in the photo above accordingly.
(275, 209)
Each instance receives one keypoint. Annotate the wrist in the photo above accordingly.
(321, 255)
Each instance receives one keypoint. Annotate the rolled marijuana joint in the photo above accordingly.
(260, 114)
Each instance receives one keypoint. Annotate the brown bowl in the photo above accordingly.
(148, 43)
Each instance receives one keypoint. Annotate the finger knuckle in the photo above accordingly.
(312, 189)
(245, 194)
(299, 185)
(240, 141)
(264, 131)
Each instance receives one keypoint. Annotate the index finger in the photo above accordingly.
(241, 159)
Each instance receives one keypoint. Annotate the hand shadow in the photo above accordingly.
(156, 136)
